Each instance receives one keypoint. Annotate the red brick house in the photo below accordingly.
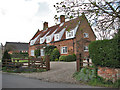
(70, 37)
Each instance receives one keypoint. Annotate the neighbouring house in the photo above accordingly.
(16, 47)
(70, 37)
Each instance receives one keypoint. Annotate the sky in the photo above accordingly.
(20, 19)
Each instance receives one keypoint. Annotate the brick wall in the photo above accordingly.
(80, 40)
(68, 43)
(109, 73)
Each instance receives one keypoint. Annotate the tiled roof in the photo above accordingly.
(69, 25)
(17, 46)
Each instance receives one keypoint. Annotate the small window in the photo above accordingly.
(86, 48)
(64, 50)
(70, 34)
(32, 52)
(86, 35)
(41, 40)
(56, 37)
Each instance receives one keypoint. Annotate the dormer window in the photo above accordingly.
(41, 40)
(69, 34)
(56, 37)
(86, 35)
(32, 42)
(48, 39)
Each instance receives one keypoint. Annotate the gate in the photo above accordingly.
(37, 63)
(81, 63)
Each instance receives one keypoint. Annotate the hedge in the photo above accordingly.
(70, 58)
(67, 58)
(105, 53)
(62, 58)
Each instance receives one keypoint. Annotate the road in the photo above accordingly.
(16, 81)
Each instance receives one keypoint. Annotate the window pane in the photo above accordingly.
(64, 50)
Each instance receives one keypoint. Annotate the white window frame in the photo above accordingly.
(69, 34)
(84, 35)
(48, 39)
(86, 50)
(32, 53)
(57, 37)
(62, 50)
(41, 40)
(42, 52)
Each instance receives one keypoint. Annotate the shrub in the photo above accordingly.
(31, 57)
(62, 58)
(49, 49)
(37, 53)
(85, 75)
(6, 57)
(70, 58)
(55, 54)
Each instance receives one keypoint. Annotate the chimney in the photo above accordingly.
(62, 18)
(45, 25)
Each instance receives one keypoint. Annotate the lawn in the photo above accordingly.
(19, 60)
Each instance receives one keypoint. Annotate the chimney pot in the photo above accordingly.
(45, 25)
(62, 18)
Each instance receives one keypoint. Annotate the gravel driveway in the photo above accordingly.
(59, 72)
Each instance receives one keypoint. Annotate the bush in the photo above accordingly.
(6, 57)
(105, 53)
(85, 75)
(49, 49)
(70, 58)
(62, 58)
(31, 57)
(55, 55)
(37, 53)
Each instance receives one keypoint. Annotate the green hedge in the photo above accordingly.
(105, 53)
(68, 58)
(62, 58)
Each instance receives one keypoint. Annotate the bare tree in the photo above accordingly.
(103, 15)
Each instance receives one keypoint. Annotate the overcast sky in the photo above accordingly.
(20, 19)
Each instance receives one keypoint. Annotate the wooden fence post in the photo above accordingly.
(81, 61)
(47, 62)
(28, 63)
(78, 62)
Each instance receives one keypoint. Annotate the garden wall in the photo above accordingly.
(109, 73)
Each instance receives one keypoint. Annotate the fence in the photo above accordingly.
(81, 63)
(33, 63)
